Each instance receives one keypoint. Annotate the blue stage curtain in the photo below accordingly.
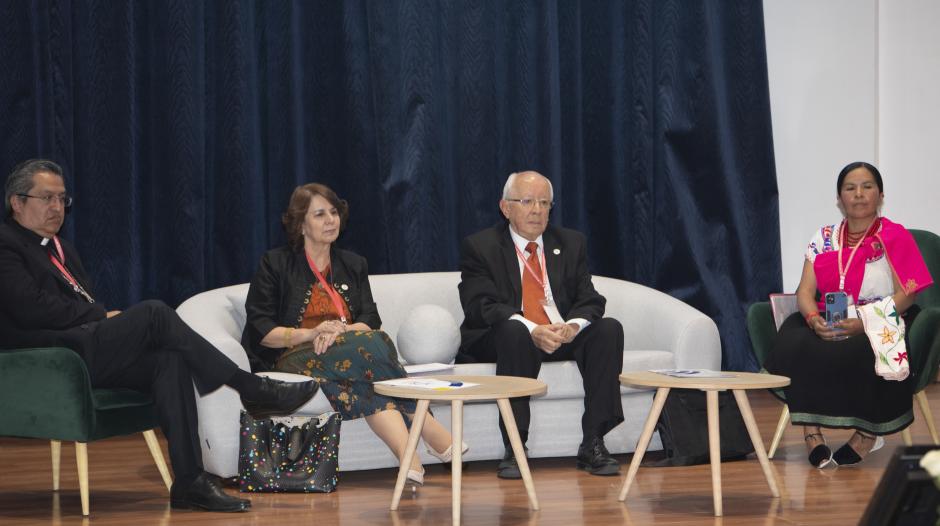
(184, 126)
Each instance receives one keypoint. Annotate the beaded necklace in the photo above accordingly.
(845, 240)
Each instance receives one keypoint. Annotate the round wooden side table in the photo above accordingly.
(738, 384)
(499, 388)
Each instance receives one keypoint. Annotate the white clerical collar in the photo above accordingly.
(521, 242)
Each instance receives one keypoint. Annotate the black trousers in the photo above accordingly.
(150, 349)
(598, 351)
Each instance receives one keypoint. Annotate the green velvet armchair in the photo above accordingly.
(46, 393)
(924, 338)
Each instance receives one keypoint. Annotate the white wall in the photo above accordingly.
(852, 80)
(909, 131)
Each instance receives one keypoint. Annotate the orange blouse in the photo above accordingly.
(320, 307)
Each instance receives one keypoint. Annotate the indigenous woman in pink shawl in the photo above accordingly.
(838, 378)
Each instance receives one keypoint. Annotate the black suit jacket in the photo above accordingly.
(280, 286)
(491, 286)
(38, 307)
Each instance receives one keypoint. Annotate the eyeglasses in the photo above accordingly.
(528, 202)
(64, 200)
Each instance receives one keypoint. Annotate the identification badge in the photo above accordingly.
(552, 311)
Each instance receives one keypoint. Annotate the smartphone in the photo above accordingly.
(837, 307)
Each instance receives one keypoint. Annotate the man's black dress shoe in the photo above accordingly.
(205, 493)
(595, 459)
(508, 468)
(279, 398)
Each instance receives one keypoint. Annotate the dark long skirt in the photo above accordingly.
(833, 383)
(347, 370)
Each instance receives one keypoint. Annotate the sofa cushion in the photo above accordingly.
(429, 334)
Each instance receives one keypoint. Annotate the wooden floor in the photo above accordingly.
(126, 489)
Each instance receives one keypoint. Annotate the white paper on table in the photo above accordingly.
(419, 368)
(426, 383)
(692, 373)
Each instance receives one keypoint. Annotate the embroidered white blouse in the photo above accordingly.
(878, 281)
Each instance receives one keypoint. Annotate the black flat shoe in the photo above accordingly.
(821, 455)
(846, 456)
(279, 398)
(594, 458)
(508, 468)
(205, 493)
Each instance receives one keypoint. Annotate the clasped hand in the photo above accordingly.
(323, 335)
(840, 330)
(549, 338)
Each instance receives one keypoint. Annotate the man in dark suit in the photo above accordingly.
(47, 300)
(527, 298)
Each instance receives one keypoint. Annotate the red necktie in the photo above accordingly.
(532, 293)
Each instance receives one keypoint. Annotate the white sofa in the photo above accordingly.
(660, 332)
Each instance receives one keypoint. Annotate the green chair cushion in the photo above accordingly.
(117, 398)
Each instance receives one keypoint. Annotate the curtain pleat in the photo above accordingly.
(183, 127)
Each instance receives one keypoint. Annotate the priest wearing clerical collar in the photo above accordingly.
(48, 300)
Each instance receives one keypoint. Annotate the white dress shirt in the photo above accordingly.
(521, 243)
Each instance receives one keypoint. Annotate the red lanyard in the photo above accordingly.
(60, 264)
(843, 237)
(541, 280)
(330, 291)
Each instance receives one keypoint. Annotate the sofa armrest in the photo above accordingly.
(653, 320)
(214, 317)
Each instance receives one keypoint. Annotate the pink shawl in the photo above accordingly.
(890, 239)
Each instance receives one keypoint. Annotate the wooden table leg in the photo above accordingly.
(510, 422)
(658, 401)
(416, 426)
(778, 432)
(754, 433)
(714, 448)
(456, 470)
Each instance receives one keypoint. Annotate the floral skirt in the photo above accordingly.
(833, 383)
(347, 370)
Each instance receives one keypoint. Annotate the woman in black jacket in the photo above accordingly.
(310, 311)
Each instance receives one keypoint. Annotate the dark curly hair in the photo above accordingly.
(293, 218)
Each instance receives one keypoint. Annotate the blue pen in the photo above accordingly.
(456, 384)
